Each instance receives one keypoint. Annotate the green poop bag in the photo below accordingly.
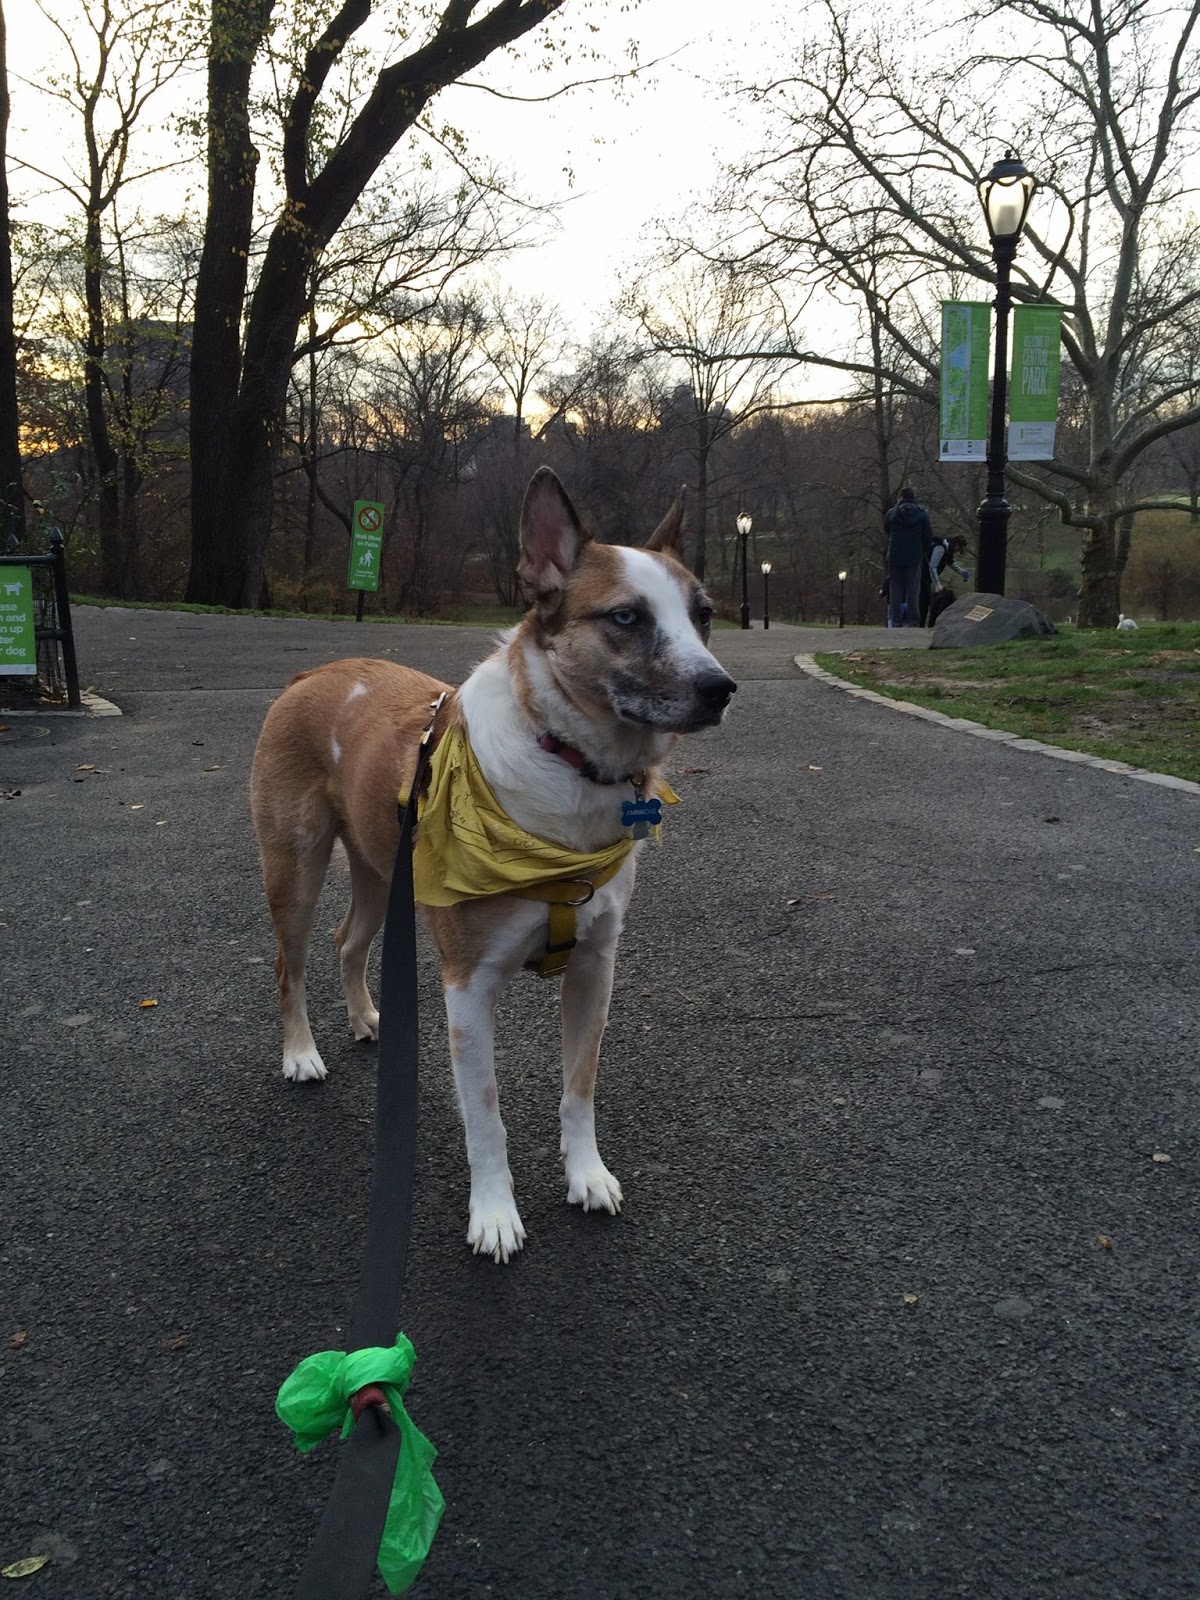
(316, 1399)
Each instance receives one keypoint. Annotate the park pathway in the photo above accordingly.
(900, 1083)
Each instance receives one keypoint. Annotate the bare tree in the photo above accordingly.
(709, 322)
(1101, 98)
(240, 378)
(119, 59)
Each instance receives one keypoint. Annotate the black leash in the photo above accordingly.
(342, 1558)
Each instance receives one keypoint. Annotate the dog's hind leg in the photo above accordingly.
(586, 992)
(363, 920)
(293, 870)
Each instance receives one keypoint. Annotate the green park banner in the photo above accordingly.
(366, 545)
(18, 644)
(1033, 388)
(966, 335)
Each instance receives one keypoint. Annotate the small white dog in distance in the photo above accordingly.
(566, 725)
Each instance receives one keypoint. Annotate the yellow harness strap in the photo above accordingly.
(561, 900)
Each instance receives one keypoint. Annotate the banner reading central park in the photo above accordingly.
(1033, 395)
(966, 332)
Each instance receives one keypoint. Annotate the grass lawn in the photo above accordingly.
(1131, 697)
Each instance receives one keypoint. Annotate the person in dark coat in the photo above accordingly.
(910, 535)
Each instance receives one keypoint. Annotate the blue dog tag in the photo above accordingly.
(641, 816)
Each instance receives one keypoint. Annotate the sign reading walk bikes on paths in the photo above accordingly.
(366, 545)
(18, 646)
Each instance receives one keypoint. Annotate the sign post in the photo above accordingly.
(18, 645)
(366, 548)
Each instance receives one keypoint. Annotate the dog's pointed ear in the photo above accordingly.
(668, 536)
(551, 536)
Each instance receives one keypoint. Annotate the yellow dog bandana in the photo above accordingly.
(467, 847)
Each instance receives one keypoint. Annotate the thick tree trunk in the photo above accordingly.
(1100, 593)
(12, 496)
(218, 540)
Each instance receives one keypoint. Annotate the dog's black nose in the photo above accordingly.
(715, 688)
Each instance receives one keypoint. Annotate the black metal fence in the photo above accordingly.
(58, 672)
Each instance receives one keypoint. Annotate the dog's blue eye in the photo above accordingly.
(623, 616)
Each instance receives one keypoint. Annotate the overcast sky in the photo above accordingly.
(635, 155)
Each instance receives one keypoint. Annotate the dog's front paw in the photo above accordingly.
(304, 1066)
(494, 1228)
(593, 1187)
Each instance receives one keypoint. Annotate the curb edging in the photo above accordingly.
(1015, 741)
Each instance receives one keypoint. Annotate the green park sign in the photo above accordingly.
(18, 646)
(366, 545)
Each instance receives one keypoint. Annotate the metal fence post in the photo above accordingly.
(62, 605)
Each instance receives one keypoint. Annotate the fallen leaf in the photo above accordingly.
(25, 1568)
(145, 1004)
(811, 768)
(161, 824)
(1106, 1241)
(910, 1299)
(197, 741)
(16, 1340)
(690, 772)
(140, 806)
(820, 897)
(1159, 1156)
(795, 902)
(4, 728)
(1053, 819)
(180, 1342)
(215, 768)
(86, 767)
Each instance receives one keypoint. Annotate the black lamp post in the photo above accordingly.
(766, 572)
(1005, 194)
(842, 599)
(743, 527)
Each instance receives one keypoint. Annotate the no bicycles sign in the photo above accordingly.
(366, 545)
(18, 645)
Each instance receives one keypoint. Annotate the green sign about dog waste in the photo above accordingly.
(366, 545)
(18, 647)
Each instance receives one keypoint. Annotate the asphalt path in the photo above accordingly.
(904, 1029)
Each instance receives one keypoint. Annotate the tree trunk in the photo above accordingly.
(217, 564)
(108, 493)
(703, 443)
(12, 496)
(1100, 593)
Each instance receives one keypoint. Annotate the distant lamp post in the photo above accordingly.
(1005, 194)
(744, 525)
(842, 598)
(766, 572)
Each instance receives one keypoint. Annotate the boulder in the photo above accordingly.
(987, 619)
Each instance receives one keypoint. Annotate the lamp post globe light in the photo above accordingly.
(766, 572)
(1005, 194)
(744, 524)
(842, 598)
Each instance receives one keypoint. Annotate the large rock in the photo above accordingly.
(987, 619)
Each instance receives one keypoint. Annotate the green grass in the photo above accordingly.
(1131, 697)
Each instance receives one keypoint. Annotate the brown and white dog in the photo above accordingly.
(611, 662)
